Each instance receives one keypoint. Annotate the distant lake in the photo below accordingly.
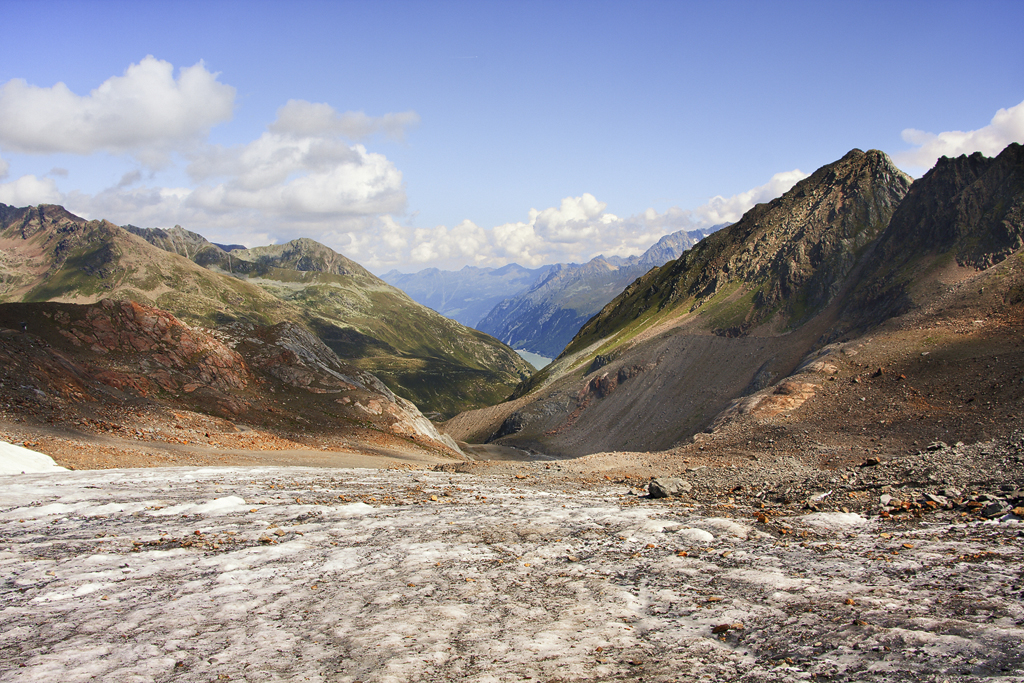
(535, 359)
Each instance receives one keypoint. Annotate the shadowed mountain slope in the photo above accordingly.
(78, 362)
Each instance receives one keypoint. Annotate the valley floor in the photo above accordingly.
(504, 571)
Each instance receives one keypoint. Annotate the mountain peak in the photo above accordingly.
(788, 257)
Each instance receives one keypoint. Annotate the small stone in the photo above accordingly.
(937, 446)
(721, 628)
(995, 509)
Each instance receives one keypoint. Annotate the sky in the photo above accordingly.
(443, 134)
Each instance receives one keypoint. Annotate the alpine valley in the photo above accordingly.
(537, 310)
(792, 453)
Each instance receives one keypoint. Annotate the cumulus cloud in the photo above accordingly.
(130, 178)
(298, 171)
(146, 112)
(577, 230)
(1006, 126)
(4, 168)
(29, 190)
(288, 183)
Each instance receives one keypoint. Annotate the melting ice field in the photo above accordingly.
(364, 575)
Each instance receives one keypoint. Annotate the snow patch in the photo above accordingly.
(19, 460)
(832, 520)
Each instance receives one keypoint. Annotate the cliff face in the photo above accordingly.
(968, 210)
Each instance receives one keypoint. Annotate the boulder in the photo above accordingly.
(667, 487)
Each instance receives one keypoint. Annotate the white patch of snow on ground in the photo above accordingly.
(264, 574)
(20, 460)
(833, 520)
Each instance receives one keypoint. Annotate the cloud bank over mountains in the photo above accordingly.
(576, 231)
(1006, 126)
(312, 173)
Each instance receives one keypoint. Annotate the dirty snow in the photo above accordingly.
(273, 574)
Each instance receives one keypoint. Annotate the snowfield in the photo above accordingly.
(297, 574)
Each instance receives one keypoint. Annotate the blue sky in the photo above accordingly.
(415, 134)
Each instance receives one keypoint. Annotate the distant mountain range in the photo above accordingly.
(465, 295)
(545, 317)
(856, 264)
(537, 310)
(49, 254)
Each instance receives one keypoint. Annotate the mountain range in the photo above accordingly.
(856, 264)
(49, 254)
(537, 310)
(465, 295)
(545, 317)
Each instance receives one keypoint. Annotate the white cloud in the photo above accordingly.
(730, 209)
(286, 184)
(5, 167)
(577, 230)
(28, 190)
(146, 112)
(309, 119)
(1006, 126)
